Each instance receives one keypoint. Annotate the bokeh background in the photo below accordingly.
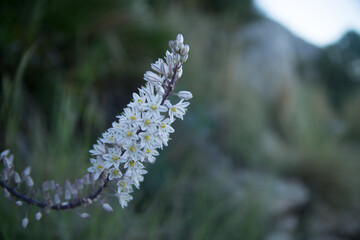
(269, 149)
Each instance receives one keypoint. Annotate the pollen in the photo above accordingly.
(147, 122)
(111, 138)
(122, 184)
(116, 172)
(154, 107)
(132, 149)
(147, 137)
(140, 101)
(173, 109)
(132, 163)
(148, 150)
(129, 134)
(162, 125)
(99, 167)
(115, 158)
(132, 118)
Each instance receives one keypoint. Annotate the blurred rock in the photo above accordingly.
(271, 59)
(326, 221)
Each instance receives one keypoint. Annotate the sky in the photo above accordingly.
(320, 22)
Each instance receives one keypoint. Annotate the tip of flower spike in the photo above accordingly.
(180, 38)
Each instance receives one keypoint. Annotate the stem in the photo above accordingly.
(170, 87)
(69, 205)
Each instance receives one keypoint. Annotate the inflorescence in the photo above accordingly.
(120, 154)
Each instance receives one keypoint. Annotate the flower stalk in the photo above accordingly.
(120, 154)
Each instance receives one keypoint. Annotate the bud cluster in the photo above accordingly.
(120, 154)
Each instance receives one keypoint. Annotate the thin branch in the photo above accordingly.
(69, 205)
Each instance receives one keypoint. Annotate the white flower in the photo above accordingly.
(114, 173)
(133, 151)
(138, 102)
(130, 115)
(98, 166)
(128, 133)
(124, 198)
(165, 126)
(149, 140)
(150, 154)
(178, 110)
(150, 122)
(109, 137)
(124, 185)
(165, 129)
(99, 148)
(113, 157)
(153, 105)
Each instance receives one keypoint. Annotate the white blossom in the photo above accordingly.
(143, 127)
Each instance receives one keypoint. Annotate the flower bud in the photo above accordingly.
(186, 95)
(17, 178)
(24, 222)
(179, 72)
(107, 207)
(6, 193)
(29, 182)
(184, 57)
(180, 38)
(27, 171)
(85, 215)
(38, 216)
(160, 90)
(18, 203)
(57, 198)
(67, 195)
(171, 43)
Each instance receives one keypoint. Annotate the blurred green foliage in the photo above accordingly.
(68, 67)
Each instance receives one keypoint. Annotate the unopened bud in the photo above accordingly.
(38, 216)
(67, 195)
(107, 207)
(184, 57)
(85, 215)
(186, 95)
(8, 161)
(6, 193)
(57, 199)
(18, 203)
(179, 72)
(29, 182)
(17, 178)
(24, 222)
(160, 90)
(27, 171)
(177, 57)
(180, 38)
